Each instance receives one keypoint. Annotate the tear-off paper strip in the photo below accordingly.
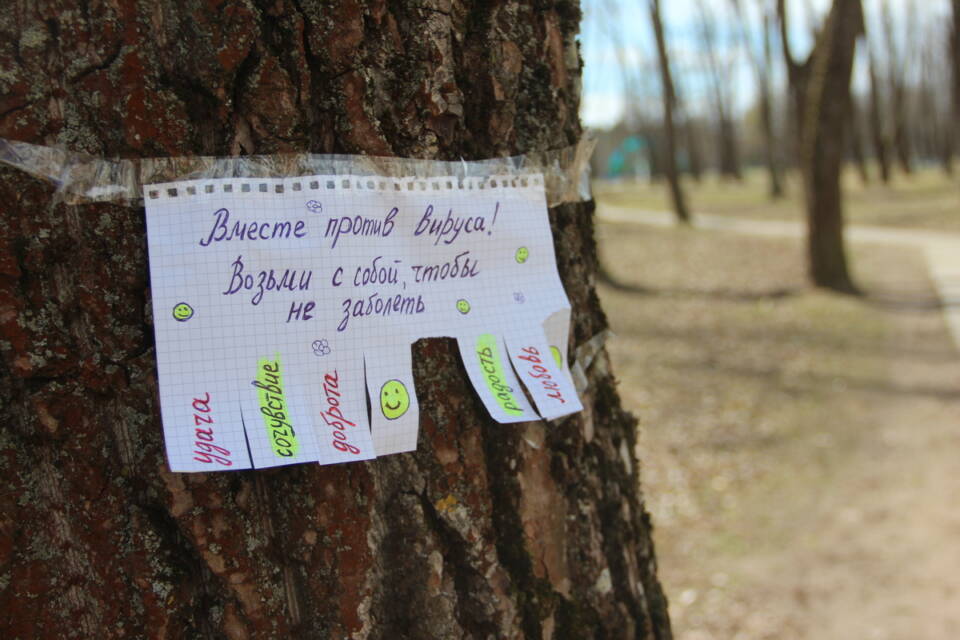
(549, 384)
(394, 410)
(488, 368)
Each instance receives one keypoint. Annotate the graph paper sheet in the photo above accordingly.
(285, 310)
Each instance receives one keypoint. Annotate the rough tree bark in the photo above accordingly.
(669, 126)
(487, 531)
(820, 89)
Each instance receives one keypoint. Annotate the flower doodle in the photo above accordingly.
(320, 348)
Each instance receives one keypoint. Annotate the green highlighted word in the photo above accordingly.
(492, 368)
(273, 407)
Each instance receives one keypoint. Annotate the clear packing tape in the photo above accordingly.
(80, 178)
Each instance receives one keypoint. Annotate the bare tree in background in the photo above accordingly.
(692, 143)
(721, 89)
(669, 99)
(932, 117)
(896, 82)
(635, 77)
(856, 140)
(820, 89)
(955, 56)
(631, 92)
(762, 67)
(774, 157)
(878, 133)
(689, 134)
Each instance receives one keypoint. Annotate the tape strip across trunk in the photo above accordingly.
(81, 178)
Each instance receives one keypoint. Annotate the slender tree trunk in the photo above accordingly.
(720, 81)
(656, 156)
(729, 149)
(769, 147)
(821, 91)
(935, 123)
(896, 70)
(766, 111)
(691, 136)
(670, 151)
(691, 140)
(955, 68)
(946, 156)
(487, 531)
(877, 131)
(856, 142)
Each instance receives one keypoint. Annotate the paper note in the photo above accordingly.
(536, 365)
(394, 410)
(285, 309)
(487, 366)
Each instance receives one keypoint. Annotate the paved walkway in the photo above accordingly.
(941, 248)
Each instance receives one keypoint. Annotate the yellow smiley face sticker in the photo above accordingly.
(182, 312)
(394, 399)
(522, 254)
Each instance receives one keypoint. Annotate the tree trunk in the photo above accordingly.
(856, 142)
(955, 68)
(691, 137)
(729, 149)
(487, 531)
(728, 153)
(821, 91)
(935, 124)
(770, 144)
(669, 99)
(896, 80)
(877, 132)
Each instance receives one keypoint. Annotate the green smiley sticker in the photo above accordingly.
(463, 306)
(182, 312)
(522, 254)
(394, 399)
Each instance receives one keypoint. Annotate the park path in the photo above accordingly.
(942, 249)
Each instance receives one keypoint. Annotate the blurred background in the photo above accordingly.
(779, 226)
